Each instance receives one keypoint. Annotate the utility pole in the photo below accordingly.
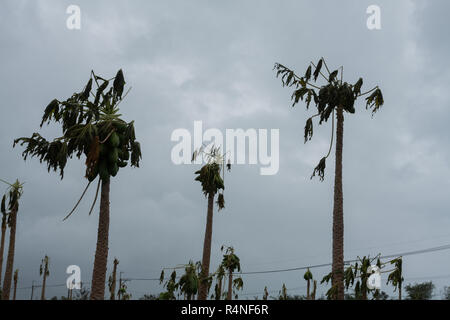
(120, 286)
(32, 290)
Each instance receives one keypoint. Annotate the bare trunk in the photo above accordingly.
(10, 260)
(338, 212)
(101, 252)
(2, 248)
(203, 290)
(44, 281)
(230, 286)
(313, 295)
(400, 292)
(308, 286)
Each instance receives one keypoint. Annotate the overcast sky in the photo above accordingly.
(212, 61)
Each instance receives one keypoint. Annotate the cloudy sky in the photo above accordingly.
(212, 61)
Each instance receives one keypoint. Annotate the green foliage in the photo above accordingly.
(327, 97)
(188, 282)
(231, 261)
(420, 291)
(93, 128)
(171, 286)
(209, 177)
(10, 200)
(308, 275)
(396, 277)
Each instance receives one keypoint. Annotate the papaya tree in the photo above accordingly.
(91, 126)
(396, 276)
(212, 182)
(171, 286)
(44, 272)
(231, 263)
(308, 277)
(332, 99)
(10, 204)
(188, 283)
(112, 281)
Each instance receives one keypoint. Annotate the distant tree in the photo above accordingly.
(82, 294)
(188, 283)
(231, 263)
(112, 280)
(396, 276)
(420, 291)
(10, 204)
(16, 278)
(446, 295)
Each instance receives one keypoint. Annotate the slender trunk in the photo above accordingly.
(44, 281)
(10, 260)
(313, 295)
(113, 284)
(230, 286)
(16, 276)
(101, 252)
(400, 292)
(308, 286)
(2, 248)
(338, 211)
(203, 290)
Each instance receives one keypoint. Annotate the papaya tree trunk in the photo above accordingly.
(313, 294)
(308, 286)
(203, 290)
(230, 286)
(338, 212)
(10, 260)
(2, 248)
(101, 252)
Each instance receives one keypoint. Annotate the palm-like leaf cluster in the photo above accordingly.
(10, 200)
(327, 98)
(91, 126)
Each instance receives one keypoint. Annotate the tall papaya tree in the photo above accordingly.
(91, 126)
(332, 99)
(212, 182)
(10, 204)
(231, 263)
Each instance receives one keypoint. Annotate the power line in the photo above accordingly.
(402, 254)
